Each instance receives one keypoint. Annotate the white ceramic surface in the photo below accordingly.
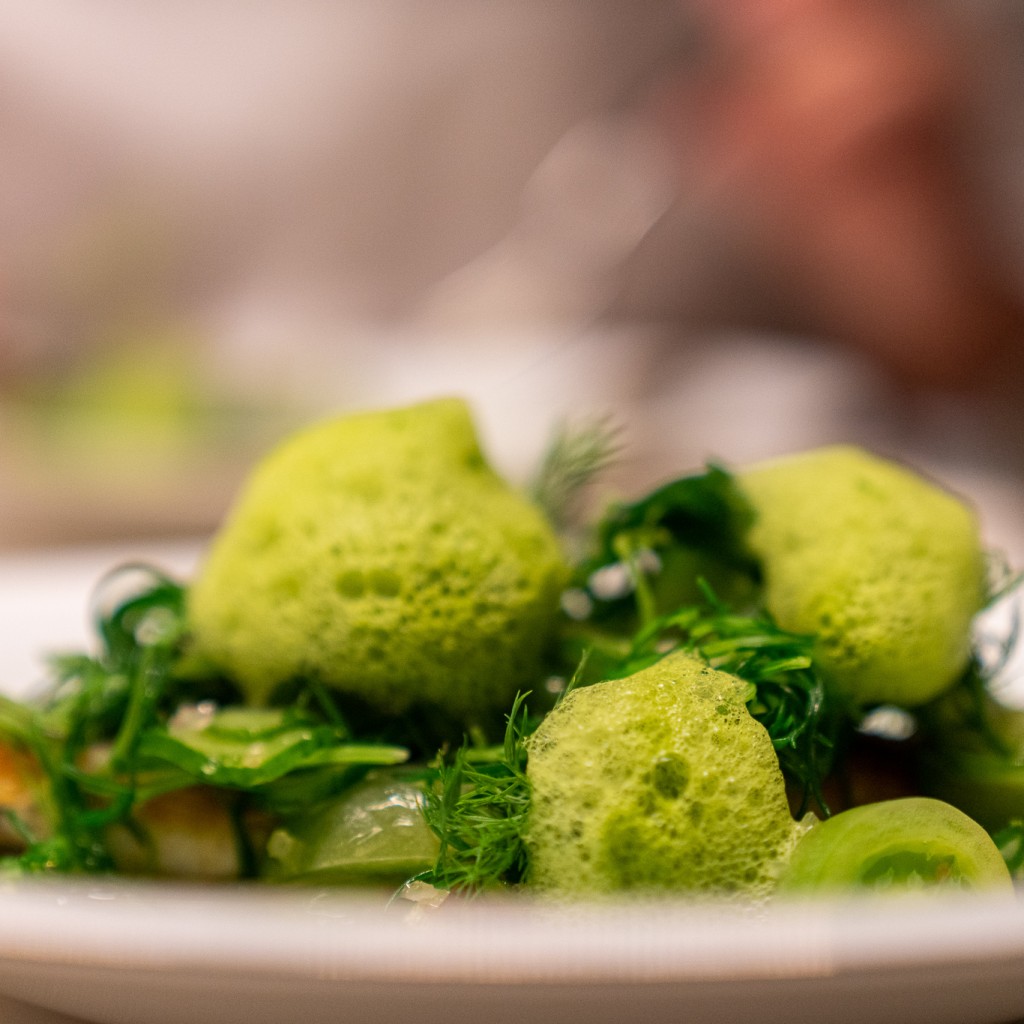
(122, 953)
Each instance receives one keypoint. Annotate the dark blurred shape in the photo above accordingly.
(835, 141)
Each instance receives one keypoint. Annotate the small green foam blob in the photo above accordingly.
(886, 568)
(659, 781)
(381, 555)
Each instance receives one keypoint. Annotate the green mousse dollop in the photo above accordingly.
(659, 781)
(886, 568)
(381, 555)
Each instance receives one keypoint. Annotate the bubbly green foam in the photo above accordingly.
(662, 780)
(885, 567)
(380, 554)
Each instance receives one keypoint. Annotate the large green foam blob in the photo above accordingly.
(381, 555)
(886, 568)
(660, 781)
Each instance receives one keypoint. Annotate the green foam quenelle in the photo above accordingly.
(884, 567)
(659, 781)
(381, 555)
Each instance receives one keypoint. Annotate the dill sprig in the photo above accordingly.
(705, 514)
(477, 806)
(574, 458)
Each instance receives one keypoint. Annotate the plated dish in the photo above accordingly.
(122, 950)
(146, 953)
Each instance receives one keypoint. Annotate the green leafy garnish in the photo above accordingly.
(248, 759)
(477, 807)
(121, 728)
(107, 699)
(692, 527)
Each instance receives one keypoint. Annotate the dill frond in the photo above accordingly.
(478, 810)
(574, 458)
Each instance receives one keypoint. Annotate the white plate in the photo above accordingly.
(120, 954)
(123, 953)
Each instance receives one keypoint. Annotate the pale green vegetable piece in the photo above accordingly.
(374, 832)
(908, 844)
(380, 554)
(660, 781)
(886, 568)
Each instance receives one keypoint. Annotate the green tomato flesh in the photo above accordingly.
(375, 833)
(907, 844)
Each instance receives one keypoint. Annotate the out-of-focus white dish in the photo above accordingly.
(124, 954)
(130, 953)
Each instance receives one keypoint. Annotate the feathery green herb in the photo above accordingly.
(477, 806)
(694, 526)
(122, 726)
(574, 458)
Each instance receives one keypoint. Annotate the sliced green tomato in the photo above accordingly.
(908, 844)
(374, 833)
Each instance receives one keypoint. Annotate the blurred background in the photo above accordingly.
(737, 227)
